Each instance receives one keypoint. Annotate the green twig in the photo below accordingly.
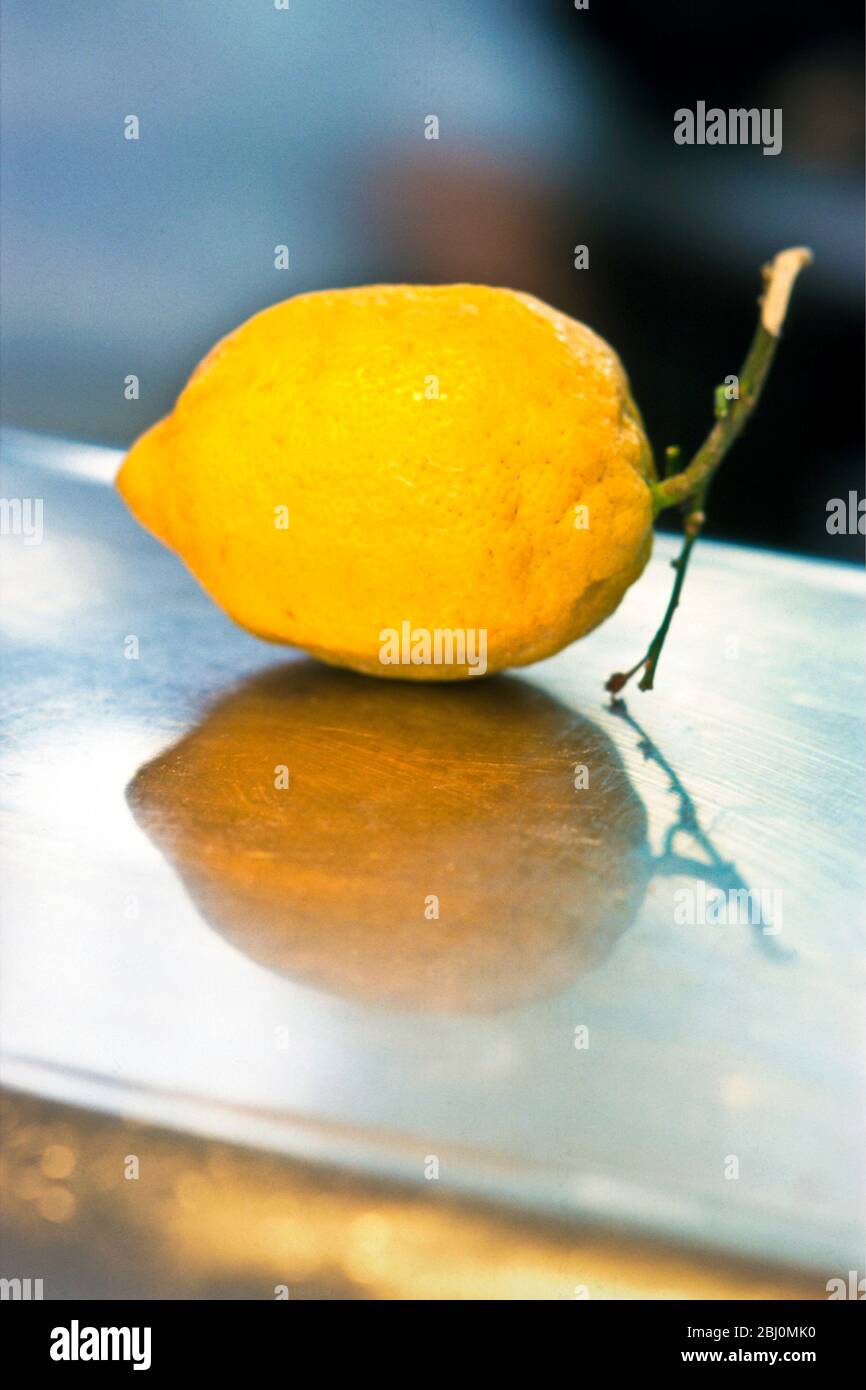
(688, 488)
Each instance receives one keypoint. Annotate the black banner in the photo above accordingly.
(218, 1338)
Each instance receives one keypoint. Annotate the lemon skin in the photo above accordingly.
(456, 457)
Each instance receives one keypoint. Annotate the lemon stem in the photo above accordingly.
(733, 404)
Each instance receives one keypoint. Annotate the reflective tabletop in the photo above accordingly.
(597, 961)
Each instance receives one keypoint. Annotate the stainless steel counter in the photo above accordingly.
(188, 944)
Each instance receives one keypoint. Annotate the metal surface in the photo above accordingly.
(186, 942)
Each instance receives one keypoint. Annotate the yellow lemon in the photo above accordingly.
(422, 481)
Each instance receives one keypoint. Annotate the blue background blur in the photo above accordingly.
(305, 127)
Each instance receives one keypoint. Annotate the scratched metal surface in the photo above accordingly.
(184, 943)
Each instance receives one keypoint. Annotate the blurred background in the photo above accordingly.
(305, 127)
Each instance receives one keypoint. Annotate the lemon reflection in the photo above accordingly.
(401, 800)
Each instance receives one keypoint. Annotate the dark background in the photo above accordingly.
(680, 299)
(305, 127)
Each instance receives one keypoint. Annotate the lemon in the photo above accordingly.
(421, 481)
